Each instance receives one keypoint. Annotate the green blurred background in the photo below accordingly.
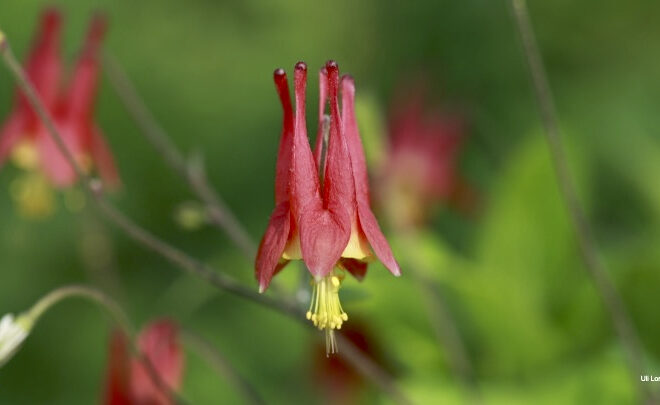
(511, 275)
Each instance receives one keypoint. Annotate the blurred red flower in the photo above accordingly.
(23, 137)
(420, 169)
(130, 381)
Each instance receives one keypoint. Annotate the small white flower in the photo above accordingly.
(12, 333)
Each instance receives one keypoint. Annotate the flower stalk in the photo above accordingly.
(13, 331)
(24, 139)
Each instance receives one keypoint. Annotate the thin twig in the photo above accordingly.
(606, 289)
(224, 282)
(90, 293)
(194, 174)
(220, 365)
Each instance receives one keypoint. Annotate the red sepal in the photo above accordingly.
(367, 220)
(324, 219)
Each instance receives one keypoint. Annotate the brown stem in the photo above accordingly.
(623, 325)
(224, 282)
(194, 174)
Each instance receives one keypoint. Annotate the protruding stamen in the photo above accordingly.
(325, 310)
(33, 195)
(25, 155)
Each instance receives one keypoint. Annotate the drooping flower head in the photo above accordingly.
(26, 141)
(129, 381)
(420, 169)
(322, 210)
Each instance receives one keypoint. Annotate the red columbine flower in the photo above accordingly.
(24, 138)
(322, 213)
(420, 169)
(128, 379)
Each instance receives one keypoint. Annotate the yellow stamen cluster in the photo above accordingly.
(31, 191)
(25, 155)
(33, 195)
(325, 310)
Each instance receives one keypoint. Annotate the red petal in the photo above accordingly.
(43, 65)
(304, 181)
(53, 162)
(283, 168)
(117, 378)
(306, 203)
(376, 239)
(79, 102)
(358, 161)
(159, 343)
(323, 237)
(324, 223)
(11, 132)
(272, 245)
(368, 222)
(103, 160)
(323, 98)
(356, 267)
(338, 186)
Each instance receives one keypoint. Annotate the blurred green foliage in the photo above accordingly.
(511, 275)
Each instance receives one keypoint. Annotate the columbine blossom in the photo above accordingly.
(129, 381)
(322, 211)
(420, 169)
(12, 334)
(26, 142)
